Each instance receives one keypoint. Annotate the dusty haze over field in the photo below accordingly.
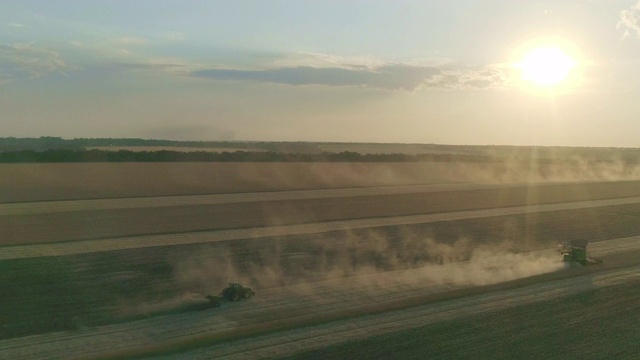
(368, 256)
(34, 182)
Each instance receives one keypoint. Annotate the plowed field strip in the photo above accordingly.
(44, 207)
(134, 242)
(560, 191)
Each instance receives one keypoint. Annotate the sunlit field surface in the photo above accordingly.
(119, 259)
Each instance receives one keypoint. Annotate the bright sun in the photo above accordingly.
(546, 66)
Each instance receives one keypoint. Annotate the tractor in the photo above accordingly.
(235, 291)
(575, 253)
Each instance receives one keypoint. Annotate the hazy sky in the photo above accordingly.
(331, 70)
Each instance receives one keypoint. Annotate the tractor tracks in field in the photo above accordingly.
(286, 320)
(315, 337)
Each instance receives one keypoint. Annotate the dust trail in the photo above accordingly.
(380, 258)
(371, 256)
(179, 303)
(487, 267)
(483, 265)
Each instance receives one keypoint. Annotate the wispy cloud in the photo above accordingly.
(630, 20)
(368, 74)
(26, 61)
(390, 77)
(131, 41)
(16, 25)
(319, 60)
(468, 77)
(171, 66)
(124, 46)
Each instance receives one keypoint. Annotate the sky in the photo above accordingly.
(401, 71)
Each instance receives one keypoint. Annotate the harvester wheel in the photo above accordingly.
(235, 296)
(247, 294)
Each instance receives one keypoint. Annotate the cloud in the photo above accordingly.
(156, 65)
(320, 60)
(461, 77)
(388, 77)
(17, 25)
(124, 46)
(26, 61)
(630, 20)
(363, 71)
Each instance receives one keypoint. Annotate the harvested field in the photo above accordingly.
(73, 220)
(543, 329)
(336, 269)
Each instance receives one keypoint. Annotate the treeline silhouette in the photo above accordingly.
(57, 149)
(53, 142)
(62, 155)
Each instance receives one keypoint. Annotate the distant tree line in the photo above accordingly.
(56, 149)
(62, 155)
(52, 142)
(38, 144)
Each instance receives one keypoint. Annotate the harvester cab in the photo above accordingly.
(575, 252)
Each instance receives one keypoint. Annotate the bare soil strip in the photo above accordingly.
(564, 191)
(64, 181)
(134, 242)
(392, 300)
(44, 207)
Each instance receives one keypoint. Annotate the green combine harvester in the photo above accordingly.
(575, 253)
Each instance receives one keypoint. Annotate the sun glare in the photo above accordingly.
(546, 66)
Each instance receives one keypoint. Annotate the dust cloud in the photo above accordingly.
(486, 267)
(370, 258)
(340, 175)
(366, 257)
(182, 302)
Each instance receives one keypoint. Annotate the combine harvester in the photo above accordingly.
(574, 253)
(235, 291)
